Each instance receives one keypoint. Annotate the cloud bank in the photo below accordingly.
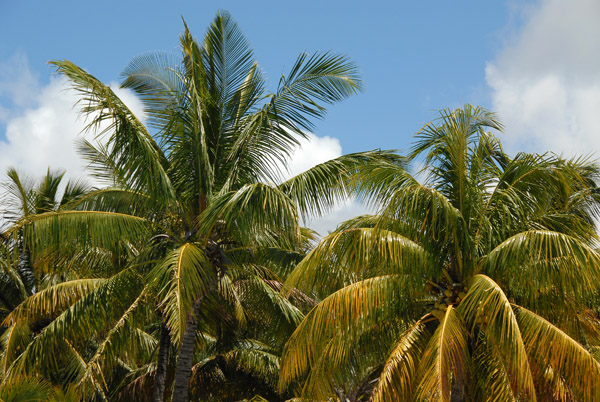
(546, 82)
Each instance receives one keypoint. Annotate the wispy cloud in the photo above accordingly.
(546, 82)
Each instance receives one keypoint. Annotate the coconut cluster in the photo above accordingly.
(447, 296)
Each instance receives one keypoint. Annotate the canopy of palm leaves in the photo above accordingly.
(477, 283)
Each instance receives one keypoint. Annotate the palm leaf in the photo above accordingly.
(444, 359)
(487, 306)
(544, 261)
(397, 379)
(183, 277)
(130, 145)
(324, 186)
(352, 308)
(52, 300)
(63, 229)
(351, 255)
(554, 351)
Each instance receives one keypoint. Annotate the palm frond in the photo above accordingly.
(63, 229)
(130, 145)
(14, 340)
(320, 188)
(154, 77)
(352, 308)
(486, 306)
(352, 255)
(252, 211)
(397, 379)
(544, 261)
(26, 389)
(444, 360)
(559, 356)
(314, 80)
(182, 278)
(52, 300)
(88, 316)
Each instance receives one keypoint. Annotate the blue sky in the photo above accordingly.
(416, 57)
(535, 62)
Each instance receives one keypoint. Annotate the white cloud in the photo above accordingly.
(312, 151)
(546, 82)
(43, 124)
(17, 82)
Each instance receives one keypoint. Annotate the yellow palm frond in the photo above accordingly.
(52, 300)
(397, 380)
(559, 356)
(487, 307)
(353, 309)
(444, 359)
(355, 254)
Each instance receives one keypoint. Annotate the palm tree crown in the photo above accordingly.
(477, 284)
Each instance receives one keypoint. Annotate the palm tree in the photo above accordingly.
(23, 197)
(196, 196)
(480, 284)
(20, 276)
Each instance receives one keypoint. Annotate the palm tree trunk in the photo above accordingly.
(183, 370)
(160, 379)
(457, 393)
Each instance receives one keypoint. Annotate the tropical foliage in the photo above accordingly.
(477, 282)
(185, 273)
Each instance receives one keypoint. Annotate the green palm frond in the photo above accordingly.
(80, 322)
(182, 278)
(13, 341)
(26, 389)
(323, 186)
(131, 146)
(320, 78)
(252, 211)
(266, 307)
(228, 61)
(154, 78)
(20, 193)
(544, 261)
(429, 217)
(120, 341)
(258, 363)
